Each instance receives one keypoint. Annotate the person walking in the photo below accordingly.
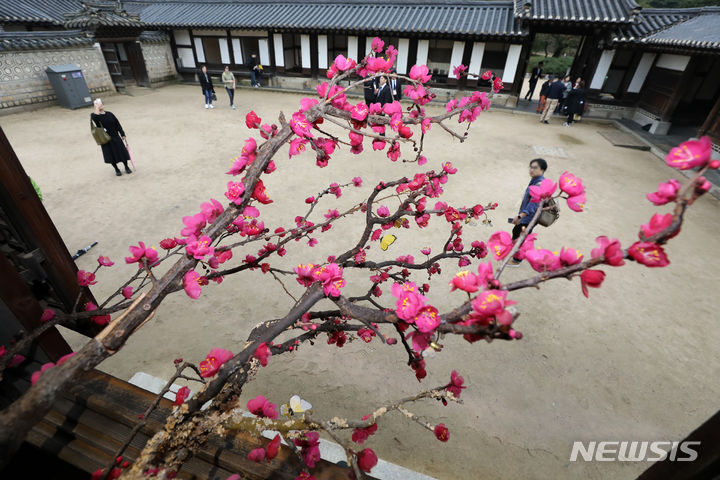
(527, 208)
(207, 86)
(543, 94)
(255, 71)
(554, 94)
(229, 80)
(384, 95)
(115, 151)
(535, 75)
(575, 102)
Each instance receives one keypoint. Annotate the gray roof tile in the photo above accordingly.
(592, 11)
(43, 40)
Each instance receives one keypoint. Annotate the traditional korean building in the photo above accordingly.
(657, 66)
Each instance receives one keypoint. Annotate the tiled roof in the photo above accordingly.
(43, 40)
(152, 36)
(665, 27)
(592, 11)
(97, 14)
(702, 31)
(417, 16)
(37, 11)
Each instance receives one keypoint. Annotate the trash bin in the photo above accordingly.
(69, 84)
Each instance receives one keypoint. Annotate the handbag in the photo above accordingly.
(99, 134)
(550, 213)
(214, 97)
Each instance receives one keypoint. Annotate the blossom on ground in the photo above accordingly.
(214, 360)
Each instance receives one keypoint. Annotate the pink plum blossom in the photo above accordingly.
(577, 202)
(409, 300)
(359, 112)
(141, 252)
(459, 71)
(235, 191)
(427, 319)
(500, 244)
(214, 360)
(301, 126)
(383, 211)
(570, 184)
(200, 248)
(591, 278)
(193, 225)
(420, 73)
(542, 260)
(105, 261)
(648, 254)
(610, 249)
(191, 284)
(85, 279)
(377, 45)
(570, 256)
(344, 64)
(465, 281)
(211, 210)
(690, 154)
(666, 192)
(127, 292)
(544, 190)
(657, 224)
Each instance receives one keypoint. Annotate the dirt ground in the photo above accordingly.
(638, 360)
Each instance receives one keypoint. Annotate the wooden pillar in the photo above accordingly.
(680, 90)
(46, 252)
(522, 65)
(711, 126)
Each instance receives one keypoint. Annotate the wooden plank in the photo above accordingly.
(100, 410)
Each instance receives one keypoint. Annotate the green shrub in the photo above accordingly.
(552, 65)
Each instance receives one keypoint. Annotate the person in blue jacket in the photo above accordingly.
(528, 208)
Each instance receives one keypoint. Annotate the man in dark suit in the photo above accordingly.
(370, 90)
(395, 86)
(535, 75)
(384, 95)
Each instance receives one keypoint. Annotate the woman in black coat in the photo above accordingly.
(575, 101)
(115, 151)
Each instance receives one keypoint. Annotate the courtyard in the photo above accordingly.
(635, 361)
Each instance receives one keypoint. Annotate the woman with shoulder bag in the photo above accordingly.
(114, 150)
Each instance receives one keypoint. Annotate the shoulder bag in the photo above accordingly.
(550, 213)
(99, 134)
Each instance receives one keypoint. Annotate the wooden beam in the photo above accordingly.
(680, 89)
(711, 126)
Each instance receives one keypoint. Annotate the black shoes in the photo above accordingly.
(118, 173)
(127, 170)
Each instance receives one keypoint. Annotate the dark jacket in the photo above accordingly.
(576, 101)
(253, 63)
(113, 151)
(527, 207)
(535, 75)
(369, 90)
(384, 95)
(397, 91)
(544, 88)
(206, 82)
(555, 90)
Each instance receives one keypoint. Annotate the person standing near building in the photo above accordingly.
(535, 75)
(229, 80)
(543, 94)
(395, 85)
(115, 151)
(527, 208)
(207, 86)
(383, 94)
(575, 102)
(369, 90)
(562, 104)
(554, 94)
(255, 71)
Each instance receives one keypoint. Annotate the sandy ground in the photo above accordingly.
(638, 360)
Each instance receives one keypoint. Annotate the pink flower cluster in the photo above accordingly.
(214, 360)
(329, 275)
(410, 307)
